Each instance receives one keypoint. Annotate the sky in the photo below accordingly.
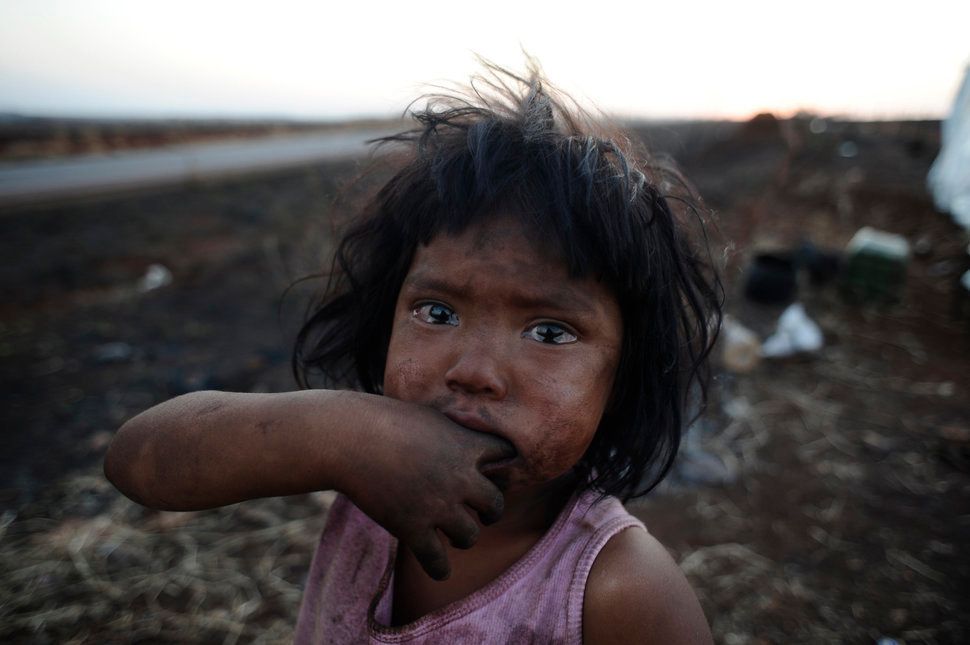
(326, 60)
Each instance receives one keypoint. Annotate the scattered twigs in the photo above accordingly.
(168, 577)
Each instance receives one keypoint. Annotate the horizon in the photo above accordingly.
(109, 60)
(216, 119)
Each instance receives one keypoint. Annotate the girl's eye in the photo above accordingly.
(435, 313)
(550, 333)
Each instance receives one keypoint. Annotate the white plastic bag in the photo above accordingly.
(796, 333)
(949, 178)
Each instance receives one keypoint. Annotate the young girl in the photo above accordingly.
(520, 313)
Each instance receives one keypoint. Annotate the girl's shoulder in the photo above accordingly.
(636, 593)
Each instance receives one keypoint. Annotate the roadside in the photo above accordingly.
(26, 138)
(60, 179)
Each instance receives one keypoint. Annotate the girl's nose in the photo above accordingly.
(477, 371)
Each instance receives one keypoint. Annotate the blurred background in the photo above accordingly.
(167, 171)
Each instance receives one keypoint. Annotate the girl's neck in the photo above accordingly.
(533, 510)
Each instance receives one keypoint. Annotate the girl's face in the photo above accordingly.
(494, 333)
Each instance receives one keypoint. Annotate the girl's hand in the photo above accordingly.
(415, 472)
(406, 465)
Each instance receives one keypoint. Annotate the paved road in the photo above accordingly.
(50, 180)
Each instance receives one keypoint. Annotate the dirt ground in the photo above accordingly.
(833, 507)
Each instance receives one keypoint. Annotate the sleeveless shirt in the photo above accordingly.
(539, 599)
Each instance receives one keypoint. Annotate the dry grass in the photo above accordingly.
(126, 574)
(844, 524)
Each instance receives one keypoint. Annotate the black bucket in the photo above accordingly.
(771, 279)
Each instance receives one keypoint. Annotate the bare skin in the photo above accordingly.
(636, 593)
(407, 466)
(499, 369)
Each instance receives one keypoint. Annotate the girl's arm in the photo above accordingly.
(407, 466)
(636, 593)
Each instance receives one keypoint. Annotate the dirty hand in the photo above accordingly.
(415, 472)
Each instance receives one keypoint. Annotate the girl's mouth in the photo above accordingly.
(471, 421)
(476, 423)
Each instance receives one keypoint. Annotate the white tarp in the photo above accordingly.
(949, 178)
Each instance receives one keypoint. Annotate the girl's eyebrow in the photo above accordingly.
(557, 299)
(423, 282)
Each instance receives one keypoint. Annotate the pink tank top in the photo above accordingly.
(539, 599)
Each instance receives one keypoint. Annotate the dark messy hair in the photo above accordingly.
(513, 145)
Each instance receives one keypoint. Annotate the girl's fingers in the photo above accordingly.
(461, 530)
(487, 501)
(431, 555)
(494, 449)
